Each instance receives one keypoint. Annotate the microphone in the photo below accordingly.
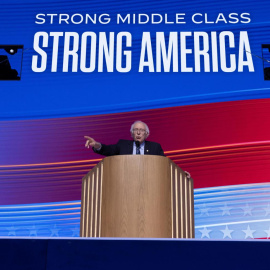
(137, 144)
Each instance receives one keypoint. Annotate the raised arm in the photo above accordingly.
(91, 142)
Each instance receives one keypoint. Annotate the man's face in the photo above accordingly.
(139, 132)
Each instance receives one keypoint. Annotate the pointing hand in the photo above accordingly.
(91, 142)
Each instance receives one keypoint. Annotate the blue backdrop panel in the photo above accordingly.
(82, 254)
(59, 93)
(23, 254)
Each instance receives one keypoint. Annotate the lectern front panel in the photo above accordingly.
(137, 196)
(137, 200)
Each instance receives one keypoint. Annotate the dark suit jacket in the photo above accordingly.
(125, 147)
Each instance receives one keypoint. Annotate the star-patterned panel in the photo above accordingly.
(233, 212)
(229, 212)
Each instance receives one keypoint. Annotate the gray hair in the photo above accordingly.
(146, 127)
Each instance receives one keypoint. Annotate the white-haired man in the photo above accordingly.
(139, 146)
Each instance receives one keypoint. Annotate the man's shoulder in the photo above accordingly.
(125, 141)
(152, 143)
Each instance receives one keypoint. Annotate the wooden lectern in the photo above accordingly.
(137, 196)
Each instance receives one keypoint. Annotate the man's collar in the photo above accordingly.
(141, 145)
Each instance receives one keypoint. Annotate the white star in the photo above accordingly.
(267, 210)
(205, 232)
(12, 231)
(76, 232)
(248, 232)
(247, 210)
(204, 210)
(227, 232)
(54, 231)
(225, 210)
(33, 231)
(268, 232)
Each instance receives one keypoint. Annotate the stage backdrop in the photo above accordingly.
(197, 73)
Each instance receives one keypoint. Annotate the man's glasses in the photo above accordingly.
(136, 130)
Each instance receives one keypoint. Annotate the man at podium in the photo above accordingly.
(138, 146)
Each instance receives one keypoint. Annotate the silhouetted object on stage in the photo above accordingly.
(11, 49)
(267, 73)
(7, 71)
(266, 61)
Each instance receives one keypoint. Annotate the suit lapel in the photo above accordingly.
(146, 148)
(130, 147)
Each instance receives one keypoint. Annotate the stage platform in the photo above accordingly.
(103, 253)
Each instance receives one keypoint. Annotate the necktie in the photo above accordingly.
(138, 150)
